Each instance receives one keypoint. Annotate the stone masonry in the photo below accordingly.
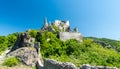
(70, 35)
(65, 32)
(53, 64)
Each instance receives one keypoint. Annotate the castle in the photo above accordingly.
(64, 32)
(27, 50)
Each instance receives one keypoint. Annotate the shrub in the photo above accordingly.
(10, 62)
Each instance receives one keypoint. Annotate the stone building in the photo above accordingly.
(62, 25)
(47, 26)
(65, 31)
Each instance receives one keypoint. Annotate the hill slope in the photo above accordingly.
(94, 51)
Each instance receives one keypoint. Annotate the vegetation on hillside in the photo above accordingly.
(7, 41)
(94, 51)
(87, 52)
(10, 62)
(106, 43)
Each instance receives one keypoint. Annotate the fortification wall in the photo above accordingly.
(70, 35)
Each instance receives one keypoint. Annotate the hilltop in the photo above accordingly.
(89, 50)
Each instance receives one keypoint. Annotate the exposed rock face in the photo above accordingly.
(85, 66)
(24, 40)
(27, 50)
(27, 55)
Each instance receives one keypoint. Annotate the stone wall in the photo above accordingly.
(87, 66)
(53, 64)
(70, 35)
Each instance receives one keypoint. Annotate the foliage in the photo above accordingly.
(93, 51)
(107, 43)
(56, 28)
(7, 41)
(33, 33)
(3, 43)
(11, 39)
(87, 52)
(50, 44)
(10, 62)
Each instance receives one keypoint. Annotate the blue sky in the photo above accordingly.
(98, 18)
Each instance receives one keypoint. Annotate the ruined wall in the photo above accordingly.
(70, 35)
(53, 64)
(87, 66)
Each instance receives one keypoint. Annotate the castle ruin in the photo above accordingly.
(64, 32)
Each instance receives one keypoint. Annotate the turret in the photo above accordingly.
(45, 22)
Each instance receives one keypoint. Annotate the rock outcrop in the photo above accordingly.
(27, 55)
(24, 40)
(26, 50)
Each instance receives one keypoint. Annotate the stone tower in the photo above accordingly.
(45, 24)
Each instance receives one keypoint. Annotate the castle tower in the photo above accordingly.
(45, 22)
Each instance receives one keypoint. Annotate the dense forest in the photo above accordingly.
(93, 51)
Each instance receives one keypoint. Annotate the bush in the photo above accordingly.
(10, 62)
